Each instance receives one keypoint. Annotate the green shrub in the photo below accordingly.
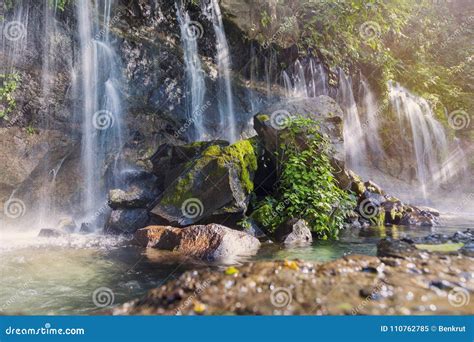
(9, 83)
(306, 187)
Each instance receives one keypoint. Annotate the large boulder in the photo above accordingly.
(209, 242)
(126, 221)
(139, 189)
(204, 182)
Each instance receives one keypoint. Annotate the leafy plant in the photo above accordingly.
(58, 4)
(31, 130)
(307, 188)
(9, 85)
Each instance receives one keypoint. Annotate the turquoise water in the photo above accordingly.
(61, 275)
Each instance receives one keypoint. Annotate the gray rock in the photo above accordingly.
(293, 232)
(126, 221)
(50, 232)
(67, 224)
(208, 242)
(129, 199)
(138, 189)
(85, 228)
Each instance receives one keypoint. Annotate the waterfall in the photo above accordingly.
(305, 79)
(428, 137)
(354, 136)
(100, 108)
(318, 79)
(15, 36)
(370, 125)
(195, 84)
(47, 68)
(228, 122)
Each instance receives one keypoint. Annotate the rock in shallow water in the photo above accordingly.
(209, 242)
(293, 232)
(456, 244)
(126, 221)
(50, 232)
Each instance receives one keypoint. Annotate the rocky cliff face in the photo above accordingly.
(147, 41)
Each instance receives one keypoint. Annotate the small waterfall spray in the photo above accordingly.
(195, 84)
(371, 124)
(228, 122)
(428, 137)
(305, 79)
(354, 137)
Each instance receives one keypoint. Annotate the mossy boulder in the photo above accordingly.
(202, 182)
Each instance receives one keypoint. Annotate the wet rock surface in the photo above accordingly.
(207, 242)
(428, 283)
(351, 285)
(460, 243)
(126, 221)
(51, 232)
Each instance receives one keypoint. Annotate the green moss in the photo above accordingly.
(242, 154)
(443, 248)
(263, 117)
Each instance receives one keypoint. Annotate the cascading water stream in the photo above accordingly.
(97, 74)
(305, 79)
(370, 125)
(195, 84)
(228, 122)
(428, 137)
(47, 68)
(354, 136)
